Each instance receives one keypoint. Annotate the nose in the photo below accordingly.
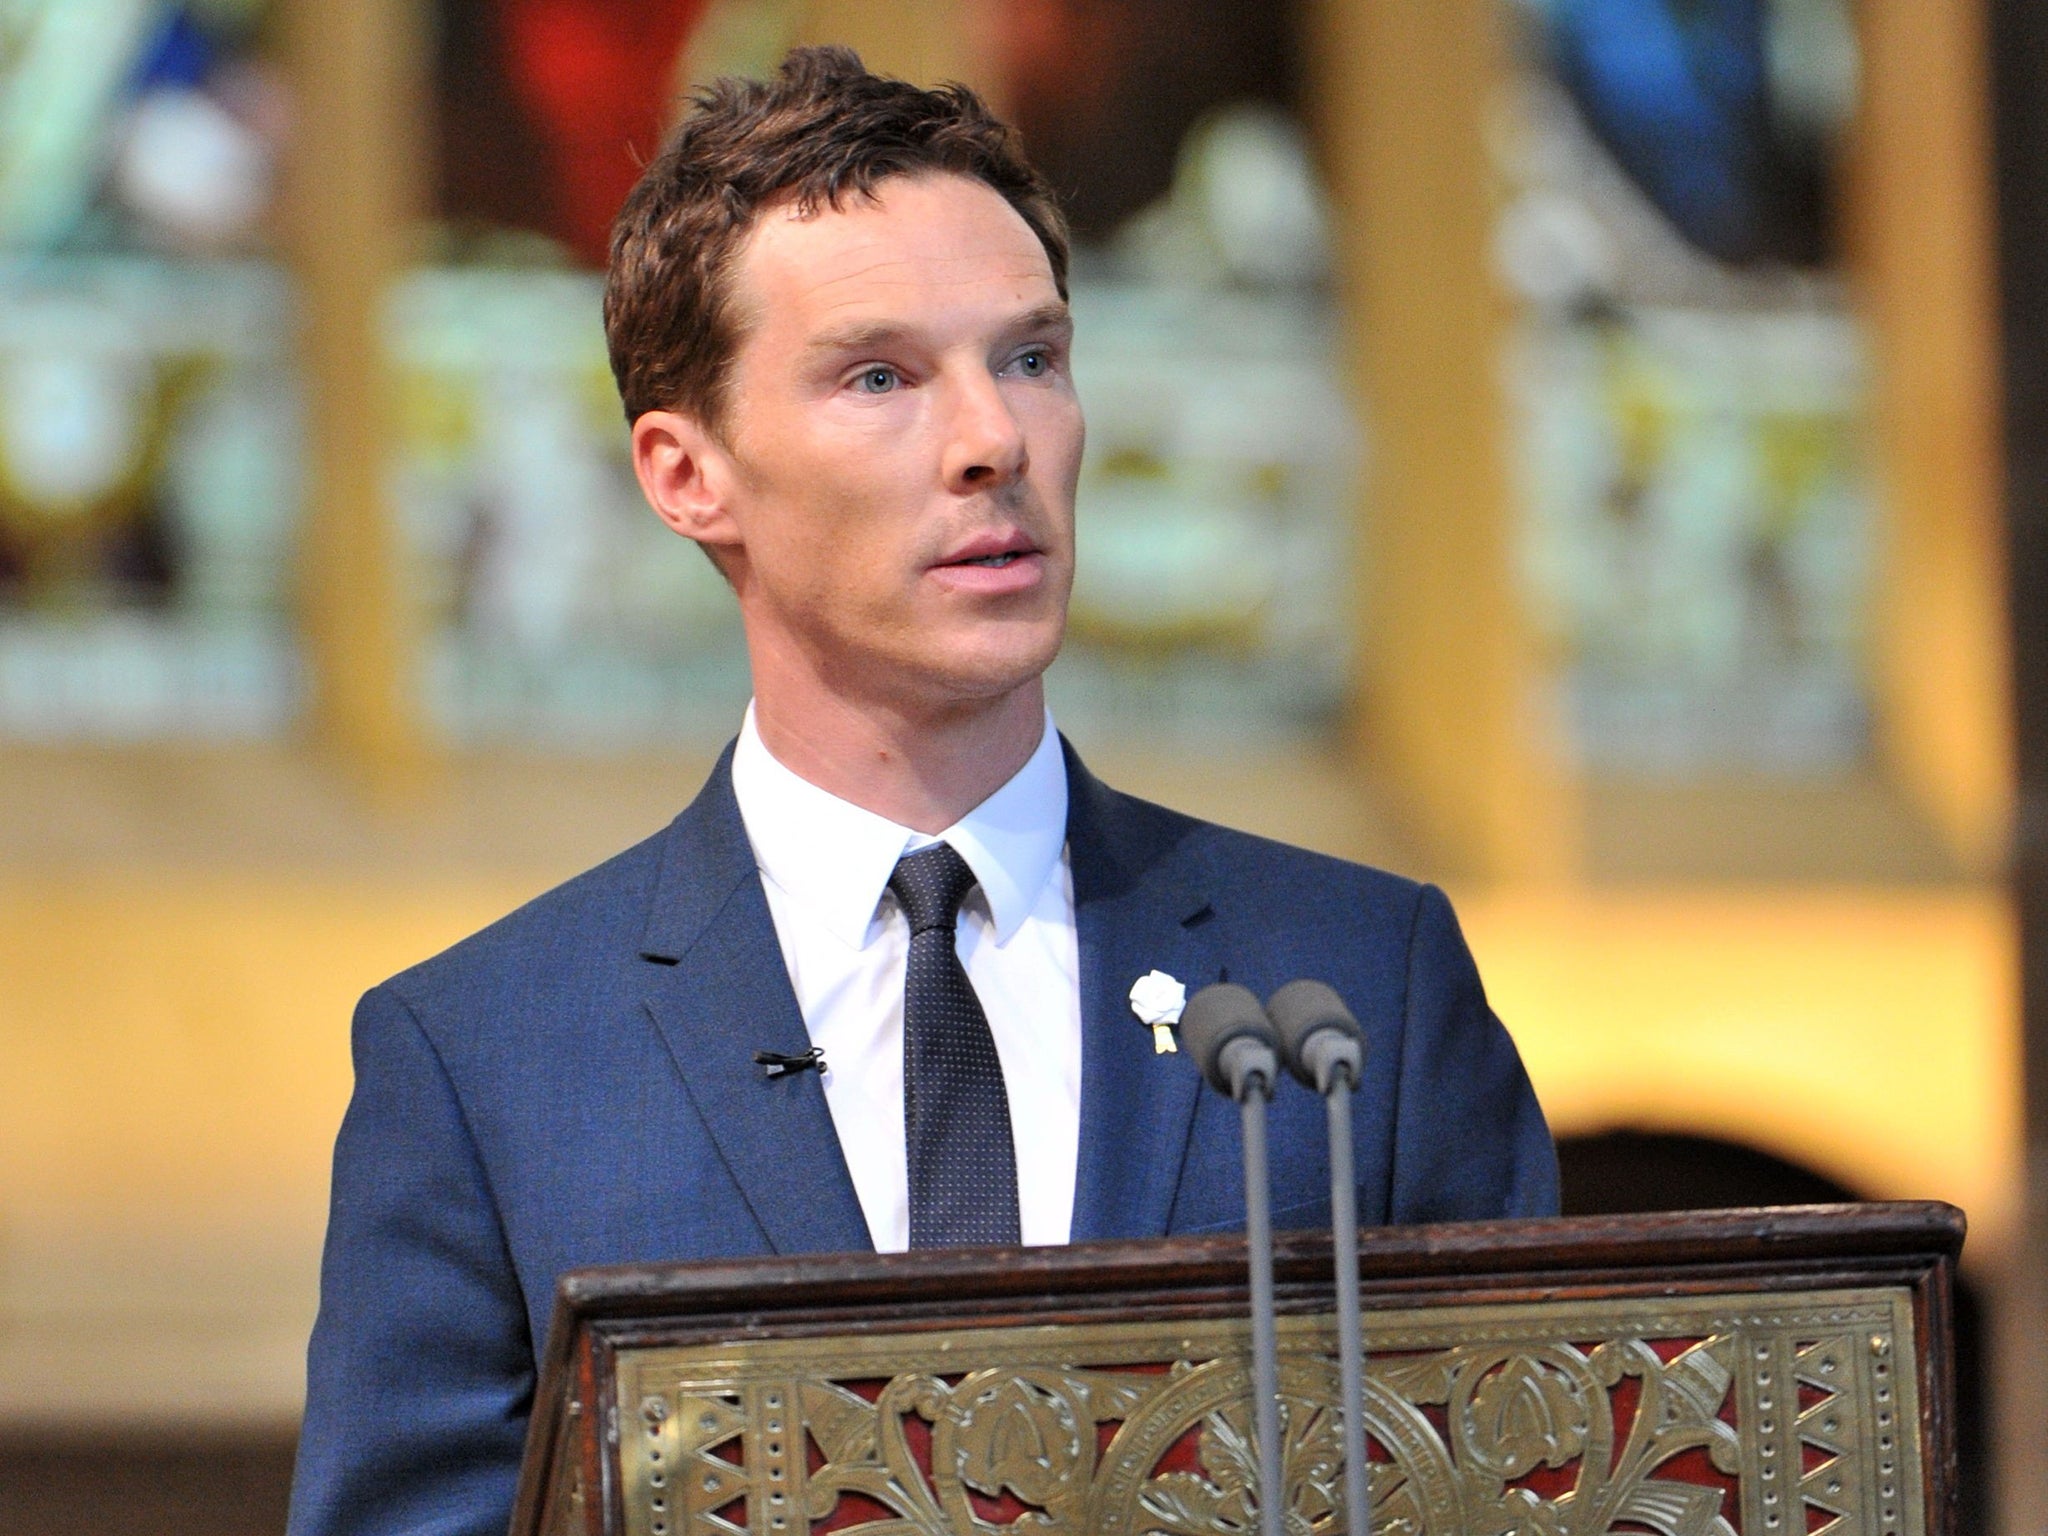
(985, 448)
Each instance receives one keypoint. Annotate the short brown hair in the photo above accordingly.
(823, 130)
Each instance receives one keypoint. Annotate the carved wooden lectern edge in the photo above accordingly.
(1677, 1255)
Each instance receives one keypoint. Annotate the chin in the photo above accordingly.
(970, 672)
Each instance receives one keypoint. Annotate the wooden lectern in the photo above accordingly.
(1781, 1372)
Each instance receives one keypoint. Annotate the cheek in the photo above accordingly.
(804, 507)
(1058, 435)
(841, 539)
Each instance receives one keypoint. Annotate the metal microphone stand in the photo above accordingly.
(1235, 1045)
(1326, 1049)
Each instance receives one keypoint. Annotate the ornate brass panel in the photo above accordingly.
(1775, 1415)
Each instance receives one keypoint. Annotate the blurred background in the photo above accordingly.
(1578, 451)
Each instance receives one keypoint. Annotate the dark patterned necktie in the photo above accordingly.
(956, 1115)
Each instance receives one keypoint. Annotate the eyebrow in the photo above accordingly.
(881, 333)
(1046, 317)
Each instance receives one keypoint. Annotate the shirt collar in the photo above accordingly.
(834, 858)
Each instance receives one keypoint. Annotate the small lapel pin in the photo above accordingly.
(1157, 999)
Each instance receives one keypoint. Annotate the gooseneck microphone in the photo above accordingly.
(1325, 1048)
(1237, 1049)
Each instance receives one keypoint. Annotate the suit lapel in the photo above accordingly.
(718, 992)
(1138, 907)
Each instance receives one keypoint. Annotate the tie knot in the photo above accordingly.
(930, 885)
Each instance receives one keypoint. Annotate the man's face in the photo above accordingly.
(903, 438)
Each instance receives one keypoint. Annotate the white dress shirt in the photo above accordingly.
(825, 865)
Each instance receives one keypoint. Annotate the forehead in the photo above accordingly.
(927, 248)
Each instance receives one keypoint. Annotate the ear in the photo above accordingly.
(687, 476)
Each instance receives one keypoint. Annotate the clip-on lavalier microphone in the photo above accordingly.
(779, 1065)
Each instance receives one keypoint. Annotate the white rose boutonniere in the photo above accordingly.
(1157, 999)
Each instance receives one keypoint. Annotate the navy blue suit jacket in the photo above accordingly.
(575, 1085)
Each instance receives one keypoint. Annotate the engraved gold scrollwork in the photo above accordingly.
(1514, 1409)
(1028, 1434)
(1223, 1494)
(1678, 1418)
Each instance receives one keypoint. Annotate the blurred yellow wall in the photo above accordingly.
(1870, 1035)
(173, 1066)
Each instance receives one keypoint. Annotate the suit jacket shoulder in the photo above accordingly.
(596, 916)
(1149, 838)
(1447, 1123)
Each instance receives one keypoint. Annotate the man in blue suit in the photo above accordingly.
(873, 988)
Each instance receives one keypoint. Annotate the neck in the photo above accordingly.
(921, 768)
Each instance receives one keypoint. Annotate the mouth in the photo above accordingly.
(992, 551)
(1003, 563)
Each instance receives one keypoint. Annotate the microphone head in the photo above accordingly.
(1214, 1018)
(1317, 1033)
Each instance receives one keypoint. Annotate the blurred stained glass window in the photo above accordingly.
(559, 609)
(1690, 381)
(1214, 503)
(148, 473)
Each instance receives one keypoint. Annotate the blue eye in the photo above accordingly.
(1033, 364)
(878, 380)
